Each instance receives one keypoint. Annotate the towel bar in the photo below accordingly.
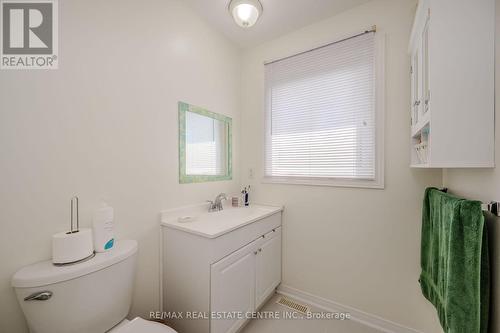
(492, 207)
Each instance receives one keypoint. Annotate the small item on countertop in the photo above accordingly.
(247, 196)
(186, 219)
(242, 198)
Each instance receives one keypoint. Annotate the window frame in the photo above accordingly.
(376, 183)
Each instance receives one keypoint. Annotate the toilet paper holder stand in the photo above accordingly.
(74, 209)
(74, 203)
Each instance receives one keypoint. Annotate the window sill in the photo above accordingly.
(331, 182)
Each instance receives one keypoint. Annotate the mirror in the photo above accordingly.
(204, 145)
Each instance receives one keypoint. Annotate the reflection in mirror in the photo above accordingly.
(204, 145)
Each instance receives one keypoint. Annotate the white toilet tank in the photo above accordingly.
(89, 297)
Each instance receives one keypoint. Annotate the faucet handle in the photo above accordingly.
(221, 196)
(211, 206)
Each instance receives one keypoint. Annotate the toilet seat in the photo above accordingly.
(139, 325)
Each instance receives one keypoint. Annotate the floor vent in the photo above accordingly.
(293, 305)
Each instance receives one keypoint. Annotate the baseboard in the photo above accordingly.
(359, 316)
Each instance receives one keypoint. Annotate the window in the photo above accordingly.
(324, 115)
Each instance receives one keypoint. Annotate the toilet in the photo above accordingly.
(89, 297)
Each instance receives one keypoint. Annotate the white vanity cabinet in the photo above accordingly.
(222, 267)
(452, 84)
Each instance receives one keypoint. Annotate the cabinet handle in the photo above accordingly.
(417, 103)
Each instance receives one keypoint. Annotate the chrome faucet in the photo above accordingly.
(216, 205)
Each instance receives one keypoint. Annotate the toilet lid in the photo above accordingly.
(139, 325)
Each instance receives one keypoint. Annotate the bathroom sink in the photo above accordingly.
(197, 220)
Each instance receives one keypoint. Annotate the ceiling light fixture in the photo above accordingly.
(245, 12)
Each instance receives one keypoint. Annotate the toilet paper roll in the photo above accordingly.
(70, 247)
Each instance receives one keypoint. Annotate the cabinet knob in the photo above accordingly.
(255, 252)
(263, 236)
(274, 230)
(260, 250)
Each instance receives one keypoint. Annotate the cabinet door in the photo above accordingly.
(415, 82)
(233, 288)
(425, 68)
(268, 266)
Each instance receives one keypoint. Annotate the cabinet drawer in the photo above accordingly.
(275, 232)
(230, 242)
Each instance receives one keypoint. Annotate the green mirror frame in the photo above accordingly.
(185, 178)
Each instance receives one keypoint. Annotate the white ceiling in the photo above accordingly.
(279, 17)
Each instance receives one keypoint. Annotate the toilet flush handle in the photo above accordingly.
(39, 296)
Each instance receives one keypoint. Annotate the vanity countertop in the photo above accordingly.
(197, 220)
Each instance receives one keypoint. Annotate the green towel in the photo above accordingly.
(455, 264)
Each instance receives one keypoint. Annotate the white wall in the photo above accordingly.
(484, 185)
(105, 125)
(359, 247)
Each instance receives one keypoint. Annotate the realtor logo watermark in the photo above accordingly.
(29, 36)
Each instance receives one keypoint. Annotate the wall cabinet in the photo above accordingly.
(225, 278)
(452, 84)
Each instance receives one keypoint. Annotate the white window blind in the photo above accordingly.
(321, 113)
